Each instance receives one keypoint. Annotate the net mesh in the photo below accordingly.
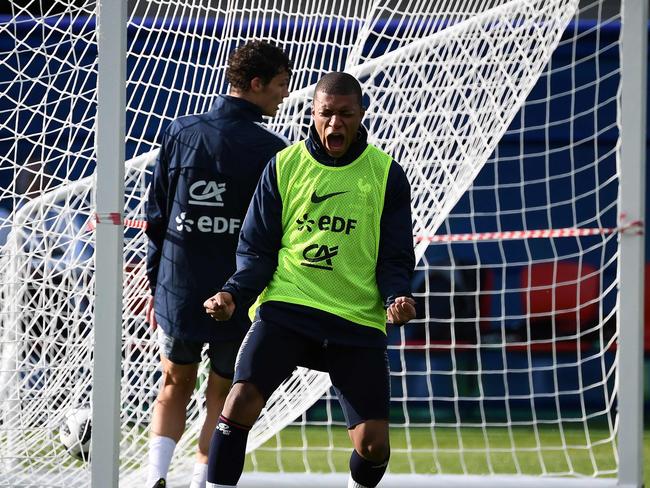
(503, 115)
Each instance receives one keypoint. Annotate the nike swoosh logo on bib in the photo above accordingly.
(318, 199)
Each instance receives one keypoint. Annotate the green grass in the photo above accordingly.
(454, 451)
(444, 450)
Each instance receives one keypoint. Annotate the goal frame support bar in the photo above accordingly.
(290, 480)
(632, 118)
(109, 243)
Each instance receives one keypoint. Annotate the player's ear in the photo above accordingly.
(257, 84)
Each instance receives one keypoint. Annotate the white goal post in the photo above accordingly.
(519, 118)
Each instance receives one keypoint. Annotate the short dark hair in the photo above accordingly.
(256, 59)
(339, 83)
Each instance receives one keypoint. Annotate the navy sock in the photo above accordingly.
(227, 452)
(366, 473)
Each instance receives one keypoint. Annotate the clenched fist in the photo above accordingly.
(220, 307)
(401, 311)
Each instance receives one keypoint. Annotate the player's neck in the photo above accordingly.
(248, 96)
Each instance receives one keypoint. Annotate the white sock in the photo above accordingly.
(161, 450)
(199, 476)
(354, 484)
(214, 485)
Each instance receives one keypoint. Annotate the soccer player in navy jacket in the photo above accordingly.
(205, 176)
(327, 245)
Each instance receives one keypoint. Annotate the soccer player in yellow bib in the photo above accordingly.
(327, 246)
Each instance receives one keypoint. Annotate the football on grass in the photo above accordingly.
(75, 433)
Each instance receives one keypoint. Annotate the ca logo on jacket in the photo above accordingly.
(207, 193)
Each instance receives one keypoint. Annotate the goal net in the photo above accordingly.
(504, 117)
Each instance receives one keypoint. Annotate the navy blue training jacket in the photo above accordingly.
(205, 176)
(260, 241)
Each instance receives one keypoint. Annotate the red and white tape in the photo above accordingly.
(479, 236)
(531, 234)
(115, 219)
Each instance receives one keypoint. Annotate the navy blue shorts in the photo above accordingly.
(222, 354)
(360, 375)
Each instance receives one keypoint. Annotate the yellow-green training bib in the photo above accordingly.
(331, 224)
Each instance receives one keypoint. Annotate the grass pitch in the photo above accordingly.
(462, 450)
